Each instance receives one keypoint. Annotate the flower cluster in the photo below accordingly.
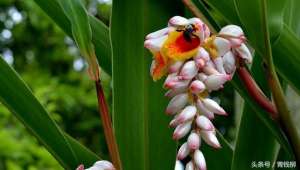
(99, 165)
(195, 63)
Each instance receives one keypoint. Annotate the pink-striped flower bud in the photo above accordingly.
(170, 80)
(183, 151)
(173, 83)
(213, 106)
(203, 110)
(216, 81)
(178, 21)
(234, 34)
(197, 86)
(222, 45)
(204, 123)
(187, 114)
(244, 53)
(189, 70)
(202, 53)
(178, 165)
(189, 166)
(194, 141)
(229, 62)
(174, 122)
(199, 160)
(155, 44)
(202, 77)
(182, 130)
(102, 165)
(173, 92)
(174, 68)
(210, 138)
(158, 33)
(209, 70)
(219, 65)
(177, 103)
(200, 62)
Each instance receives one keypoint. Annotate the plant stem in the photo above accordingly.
(106, 123)
(193, 8)
(256, 93)
(285, 116)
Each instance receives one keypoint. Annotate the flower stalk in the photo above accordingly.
(107, 126)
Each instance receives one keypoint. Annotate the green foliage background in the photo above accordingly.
(45, 58)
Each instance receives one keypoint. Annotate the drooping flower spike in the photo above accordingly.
(195, 63)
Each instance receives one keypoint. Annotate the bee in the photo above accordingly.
(188, 32)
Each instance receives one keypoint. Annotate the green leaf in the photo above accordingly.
(17, 97)
(100, 33)
(254, 142)
(286, 52)
(262, 114)
(254, 24)
(144, 139)
(292, 14)
(226, 9)
(81, 31)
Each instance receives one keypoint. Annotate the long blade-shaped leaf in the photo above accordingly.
(81, 31)
(17, 97)
(100, 34)
(138, 103)
(254, 142)
(292, 14)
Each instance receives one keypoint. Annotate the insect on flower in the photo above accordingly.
(196, 63)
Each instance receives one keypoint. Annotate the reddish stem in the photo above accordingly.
(106, 123)
(256, 93)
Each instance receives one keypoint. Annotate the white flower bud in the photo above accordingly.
(102, 165)
(173, 92)
(193, 141)
(204, 123)
(219, 65)
(186, 114)
(199, 160)
(210, 138)
(222, 46)
(178, 165)
(189, 70)
(178, 21)
(155, 44)
(183, 151)
(216, 81)
(182, 130)
(197, 86)
(204, 110)
(209, 70)
(202, 77)
(173, 68)
(173, 82)
(189, 166)
(244, 53)
(158, 33)
(213, 106)
(229, 62)
(177, 103)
